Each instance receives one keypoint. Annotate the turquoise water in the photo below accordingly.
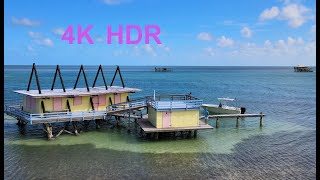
(285, 147)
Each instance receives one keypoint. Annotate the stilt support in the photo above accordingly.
(75, 127)
(261, 120)
(217, 123)
(195, 133)
(49, 131)
(237, 124)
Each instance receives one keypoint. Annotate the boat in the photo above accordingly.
(223, 108)
(302, 68)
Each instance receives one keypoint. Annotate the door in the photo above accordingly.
(117, 98)
(57, 104)
(166, 119)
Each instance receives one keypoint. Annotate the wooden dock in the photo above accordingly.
(218, 116)
(147, 127)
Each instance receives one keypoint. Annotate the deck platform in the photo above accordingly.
(147, 127)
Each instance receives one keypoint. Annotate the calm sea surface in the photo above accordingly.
(284, 148)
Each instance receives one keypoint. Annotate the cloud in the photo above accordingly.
(313, 28)
(281, 48)
(204, 36)
(148, 48)
(164, 47)
(24, 22)
(115, 2)
(225, 42)
(44, 42)
(295, 14)
(246, 32)
(99, 39)
(58, 31)
(208, 51)
(270, 13)
(30, 48)
(35, 35)
(40, 39)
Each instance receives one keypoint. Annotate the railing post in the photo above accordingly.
(70, 117)
(31, 119)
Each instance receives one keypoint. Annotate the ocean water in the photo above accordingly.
(284, 148)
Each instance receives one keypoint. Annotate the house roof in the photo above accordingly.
(77, 91)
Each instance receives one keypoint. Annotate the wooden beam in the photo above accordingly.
(104, 80)
(85, 78)
(60, 76)
(37, 79)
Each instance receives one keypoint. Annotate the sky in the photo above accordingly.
(192, 33)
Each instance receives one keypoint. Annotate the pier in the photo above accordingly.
(237, 116)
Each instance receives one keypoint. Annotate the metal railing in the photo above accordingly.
(175, 105)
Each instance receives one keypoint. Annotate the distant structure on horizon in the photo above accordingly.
(302, 68)
(162, 69)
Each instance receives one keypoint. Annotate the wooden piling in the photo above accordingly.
(49, 132)
(217, 123)
(237, 124)
(261, 119)
(195, 133)
(75, 127)
(97, 124)
(156, 135)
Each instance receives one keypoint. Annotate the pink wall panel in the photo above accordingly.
(57, 104)
(102, 100)
(95, 101)
(117, 98)
(166, 119)
(33, 104)
(77, 100)
(28, 102)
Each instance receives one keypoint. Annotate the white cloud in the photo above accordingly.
(313, 28)
(99, 39)
(114, 2)
(246, 32)
(164, 47)
(35, 35)
(45, 42)
(270, 13)
(24, 22)
(295, 14)
(149, 49)
(225, 42)
(209, 51)
(58, 31)
(204, 36)
(30, 48)
(39, 39)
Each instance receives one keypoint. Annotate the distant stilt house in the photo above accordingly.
(162, 69)
(302, 68)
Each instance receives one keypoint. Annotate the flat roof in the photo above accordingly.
(77, 91)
